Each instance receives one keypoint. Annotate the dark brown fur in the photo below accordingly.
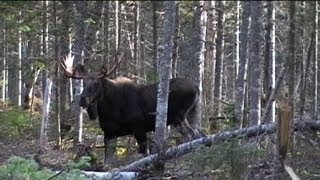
(127, 108)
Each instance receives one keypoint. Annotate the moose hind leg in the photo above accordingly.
(142, 141)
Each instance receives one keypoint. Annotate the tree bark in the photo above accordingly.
(315, 14)
(45, 115)
(79, 47)
(57, 74)
(198, 44)
(217, 92)
(64, 50)
(243, 64)
(255, 63)
(165, 51)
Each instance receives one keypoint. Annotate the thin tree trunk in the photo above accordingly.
(217, 92)
(137, 40)
(163, 88)
(19, 64)
(269, 71)
(175, 41)
(255, 63)
(45, 115)
(199, 38)
(118, 24)
(64, 50)
(79, 47)
(291, 52)
(106, 23)
(243, 63)
(272, 70)
(315, 55)
(45, 28)
(5, 57)
(292, 63)
(57, 74)
(155, 36)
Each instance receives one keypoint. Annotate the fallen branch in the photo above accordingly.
(131, 171)
(208, 140)
(214, 138)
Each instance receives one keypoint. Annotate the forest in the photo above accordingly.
(112, 89)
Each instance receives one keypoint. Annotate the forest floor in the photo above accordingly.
(57, 159)
(206, 163)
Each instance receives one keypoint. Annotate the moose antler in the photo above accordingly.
(118, 58)
(67, 63)
(78, 72)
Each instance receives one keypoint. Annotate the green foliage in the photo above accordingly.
(83, 162)
(89, 21)
(21, 168)
(24, 28)
(15, 123)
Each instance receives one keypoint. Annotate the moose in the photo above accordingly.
(128, 108)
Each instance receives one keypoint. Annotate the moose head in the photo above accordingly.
(93, 86)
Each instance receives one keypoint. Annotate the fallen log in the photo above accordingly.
(214, 138)
(131, 171)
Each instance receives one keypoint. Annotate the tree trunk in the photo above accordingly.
(163, 89)
(4, 65)
(315, 55)
(79, 47)
(57, 74)
(243, 63)
(20, 64)
(255, 63)
(291, 52)
(269, 64)
(217, 92)
(155, 37)
(118, 24)
(137, 41)
(106, 22)
(45, 115)
(44, 35)
(176, 42)
(198, 39)
(64, 50)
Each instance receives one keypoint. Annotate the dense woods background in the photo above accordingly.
(247, 57)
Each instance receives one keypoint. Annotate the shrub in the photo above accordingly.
(15, 123)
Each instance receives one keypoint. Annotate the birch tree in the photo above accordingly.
(45, 115)
(269, 56)
(315, 16)
(165, 55)
(255, 63)
(217, 91)
(198, 40)
(79, 52)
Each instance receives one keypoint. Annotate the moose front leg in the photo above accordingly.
(109, 147)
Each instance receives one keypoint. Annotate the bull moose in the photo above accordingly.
(128, 108)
